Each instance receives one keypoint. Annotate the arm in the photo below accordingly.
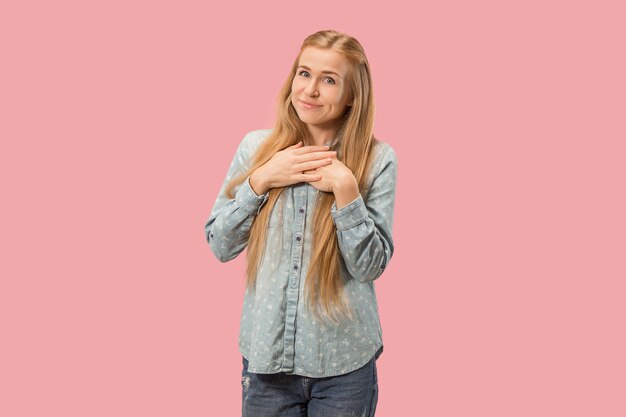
(364, 228)
(228, 227)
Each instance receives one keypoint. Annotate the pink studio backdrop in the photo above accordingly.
(505, 296)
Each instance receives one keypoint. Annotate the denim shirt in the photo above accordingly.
(277, 332)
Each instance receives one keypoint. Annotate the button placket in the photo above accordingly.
(300, 220)
(300, 200)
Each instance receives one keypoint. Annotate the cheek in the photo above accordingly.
(340, 96)
(297, 85)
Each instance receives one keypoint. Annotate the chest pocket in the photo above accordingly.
(277, 215)
(275, 221)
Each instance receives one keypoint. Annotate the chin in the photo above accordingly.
(305, 119)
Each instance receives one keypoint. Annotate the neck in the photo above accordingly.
(321, 136)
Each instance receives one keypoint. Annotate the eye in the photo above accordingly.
(305, 73)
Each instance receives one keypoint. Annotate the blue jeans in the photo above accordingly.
(282, 395)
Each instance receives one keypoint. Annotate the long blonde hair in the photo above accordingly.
(355, 141)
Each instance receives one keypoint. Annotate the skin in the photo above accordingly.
(329, 91)
(314, 164)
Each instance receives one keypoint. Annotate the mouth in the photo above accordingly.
(308, 105)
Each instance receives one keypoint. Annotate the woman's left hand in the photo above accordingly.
(333, 176)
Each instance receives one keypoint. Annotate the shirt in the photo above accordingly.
(277, 333)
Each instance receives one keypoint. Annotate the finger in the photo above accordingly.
(310, 177)
(306, 166)
(312, 156)
(312, 148)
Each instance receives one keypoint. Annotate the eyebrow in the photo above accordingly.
(323, 72)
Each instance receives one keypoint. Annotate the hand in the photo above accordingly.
(288, 167)
(334, 176)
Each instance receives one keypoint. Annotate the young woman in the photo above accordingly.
(312, 199)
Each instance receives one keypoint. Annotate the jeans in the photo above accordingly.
(354, 394)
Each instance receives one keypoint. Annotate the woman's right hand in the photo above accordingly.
(287, 167)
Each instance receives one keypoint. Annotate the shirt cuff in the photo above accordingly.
(350, 215)
(248, 200)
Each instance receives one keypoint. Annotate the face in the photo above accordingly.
(319, 91)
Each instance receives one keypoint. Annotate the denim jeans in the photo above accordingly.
(354, 394)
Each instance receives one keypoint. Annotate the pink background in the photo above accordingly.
(505, 296)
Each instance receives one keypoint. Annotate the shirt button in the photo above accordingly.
(298, 238)
(211, 235)
(295, 266)
(301, 210)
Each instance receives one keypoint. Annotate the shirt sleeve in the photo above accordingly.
(364, 228)
(228, 227)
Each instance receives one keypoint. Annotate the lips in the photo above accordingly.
(309, 105)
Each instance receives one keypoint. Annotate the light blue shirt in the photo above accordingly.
(277, 332)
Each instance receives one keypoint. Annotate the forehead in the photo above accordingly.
(323, 60)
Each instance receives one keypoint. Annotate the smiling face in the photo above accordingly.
(319, 91)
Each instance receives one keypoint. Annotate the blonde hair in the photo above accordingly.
(355, 141)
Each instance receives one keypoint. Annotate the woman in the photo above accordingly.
(312, 199)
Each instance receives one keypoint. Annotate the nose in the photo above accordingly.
(311, 87)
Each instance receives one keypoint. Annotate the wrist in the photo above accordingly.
(258, 183)
(345, 192)
(345, 185)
